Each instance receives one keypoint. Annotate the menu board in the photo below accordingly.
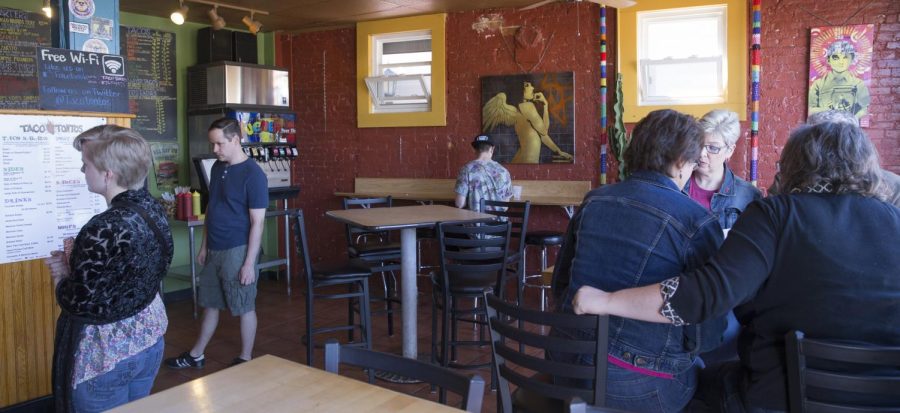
(151, 82)
(81, 81)
(20, 33)
(44, 194)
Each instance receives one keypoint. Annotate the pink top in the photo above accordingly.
(700, 195)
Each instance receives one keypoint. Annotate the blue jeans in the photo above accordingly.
(130, 380)
(636, 392)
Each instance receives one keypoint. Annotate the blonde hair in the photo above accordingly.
(722, 123)
(120, 150)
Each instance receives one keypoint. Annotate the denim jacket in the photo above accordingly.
(634, 233)
(731, 199)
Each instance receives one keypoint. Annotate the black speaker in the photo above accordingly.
(244, 47)
(214, 45)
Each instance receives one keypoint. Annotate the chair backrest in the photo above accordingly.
(516, 213)
(469, 386)
(517, 365)
(300, 242)
(870, 373)
(354, 232)
(473, 251)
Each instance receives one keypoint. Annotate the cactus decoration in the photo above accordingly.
(618, 136)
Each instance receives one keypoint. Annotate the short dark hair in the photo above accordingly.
(482, 147)
(662, 139)
(230, 128)
(831, 157)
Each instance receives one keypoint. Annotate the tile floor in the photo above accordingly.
(282, 324)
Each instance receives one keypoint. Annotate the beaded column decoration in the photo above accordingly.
(603, 133)
(754, 90)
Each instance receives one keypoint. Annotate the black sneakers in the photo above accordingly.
(236, 361)
(185, 360)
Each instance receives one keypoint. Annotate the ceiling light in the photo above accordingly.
(217, 22)
(178, 16)
(252, 25)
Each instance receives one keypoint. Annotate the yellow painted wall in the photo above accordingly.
(736, 27)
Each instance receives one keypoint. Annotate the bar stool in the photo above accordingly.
(544, 240)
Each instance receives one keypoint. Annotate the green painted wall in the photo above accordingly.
(185, 56)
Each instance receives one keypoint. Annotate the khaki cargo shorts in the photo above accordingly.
(220, 282)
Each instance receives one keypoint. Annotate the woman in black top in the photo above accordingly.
(821, 258)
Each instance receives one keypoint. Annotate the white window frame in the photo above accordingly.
(646, 95)
(378, 84)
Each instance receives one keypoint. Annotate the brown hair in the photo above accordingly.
(230, 128)
(122, 151)
(662, 139)
(831, 157)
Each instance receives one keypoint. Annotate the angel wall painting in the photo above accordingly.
(530, 117)
(840, 69)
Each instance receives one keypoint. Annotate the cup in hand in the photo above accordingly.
(517, 192)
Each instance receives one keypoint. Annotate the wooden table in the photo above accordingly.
(407, 219)
(272, 384)
(565, 194)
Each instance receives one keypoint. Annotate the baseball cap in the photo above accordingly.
(482, 139)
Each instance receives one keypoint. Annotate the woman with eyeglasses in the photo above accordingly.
(713, 184)
(637, 232)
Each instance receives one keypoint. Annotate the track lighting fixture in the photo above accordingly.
(252, 25)
(47, 9)
(178, 16)
(216, 21)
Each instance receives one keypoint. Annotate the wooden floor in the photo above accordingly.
(282, 324)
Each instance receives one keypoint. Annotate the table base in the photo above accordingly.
(392, 377)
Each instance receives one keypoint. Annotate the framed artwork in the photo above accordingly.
(530, 117)
(840, 69)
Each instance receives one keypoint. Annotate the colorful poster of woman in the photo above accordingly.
(840, 69)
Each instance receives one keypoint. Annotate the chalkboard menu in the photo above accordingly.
(20, 33)
(81, 81)
(151, 81)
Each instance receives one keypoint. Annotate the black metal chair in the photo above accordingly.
(828, 376)
(535, 377)
(374, 250)
(469, 386)
(517, 214)
(356, 280)
(473, 259)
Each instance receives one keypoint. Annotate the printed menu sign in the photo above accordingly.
(43, 194)
(20, 33)
(81, 81)
(152, 95)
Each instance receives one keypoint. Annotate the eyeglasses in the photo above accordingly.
(714, 149)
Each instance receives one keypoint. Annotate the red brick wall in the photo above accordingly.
(785, 67)
(334, 151)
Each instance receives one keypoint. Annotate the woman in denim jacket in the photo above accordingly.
(713, 184)
(638, 232)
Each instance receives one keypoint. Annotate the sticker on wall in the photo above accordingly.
(101, 28)
(80, 28)
(83, 9)
(530, 117)
(95, 46)
(840, 69)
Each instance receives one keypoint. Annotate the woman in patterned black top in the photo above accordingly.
(109, 333)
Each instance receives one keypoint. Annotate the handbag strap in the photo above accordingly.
(150, 222)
